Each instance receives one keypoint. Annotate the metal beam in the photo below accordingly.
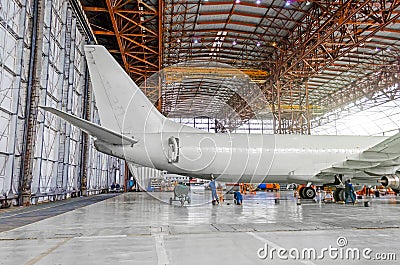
(110, 7)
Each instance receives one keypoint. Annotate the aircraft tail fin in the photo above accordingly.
(97, 131)
(121, 104)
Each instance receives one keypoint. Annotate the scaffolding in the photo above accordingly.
(40, 154)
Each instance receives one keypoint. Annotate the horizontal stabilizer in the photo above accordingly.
(93, 129)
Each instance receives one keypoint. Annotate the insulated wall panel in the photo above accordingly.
(57, 152)
(14, 39)
(57, 167)
(103, 170)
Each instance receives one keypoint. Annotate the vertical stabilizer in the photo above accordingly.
(122, 106)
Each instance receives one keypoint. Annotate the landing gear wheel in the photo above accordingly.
(188, 200)
(307, 193)
(339, 195)
(301, 190)
(170, 200)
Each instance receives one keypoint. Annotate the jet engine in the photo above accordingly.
(391, 181)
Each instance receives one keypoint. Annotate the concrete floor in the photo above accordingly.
(140, 228)
(11, 218)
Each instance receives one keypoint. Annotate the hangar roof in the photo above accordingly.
(314, 55)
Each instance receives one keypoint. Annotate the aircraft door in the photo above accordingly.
(173, 149)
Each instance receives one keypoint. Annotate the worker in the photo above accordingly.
(318, 198)
(113, 187)
(238, 198)
(4, 203)
(368, 191)
(213, 187)
(349, 192)
(328, 197)
(353, 193)
(131, 183)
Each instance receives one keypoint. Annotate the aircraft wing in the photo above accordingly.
(379, 160)
(93, 129)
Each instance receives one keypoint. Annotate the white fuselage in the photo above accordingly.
(244, 157)
(134, 130)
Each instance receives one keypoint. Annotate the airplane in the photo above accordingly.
(134, 130)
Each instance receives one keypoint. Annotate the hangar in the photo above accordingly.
(285, 68)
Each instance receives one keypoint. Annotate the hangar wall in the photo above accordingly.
(58, 159)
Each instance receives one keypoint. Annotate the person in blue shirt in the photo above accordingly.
(131, 184)
(238, 198)
(349, 192)
(213, 187)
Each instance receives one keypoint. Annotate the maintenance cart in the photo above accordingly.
(181, 193)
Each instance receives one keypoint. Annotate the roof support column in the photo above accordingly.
(273, 106)
(160, 50)
(278, 88)
(308, 110)
(31, 104)
(85, 137)
(291, 129)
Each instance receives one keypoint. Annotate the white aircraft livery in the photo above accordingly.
(134, 130)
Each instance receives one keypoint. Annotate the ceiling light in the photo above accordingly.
(288, 3)
(258, 2)
(308, 3)
(234, 43)
(258, 44)
(196, 41)
(237, 1)
(178, 41)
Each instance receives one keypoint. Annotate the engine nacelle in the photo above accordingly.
(391, 181)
